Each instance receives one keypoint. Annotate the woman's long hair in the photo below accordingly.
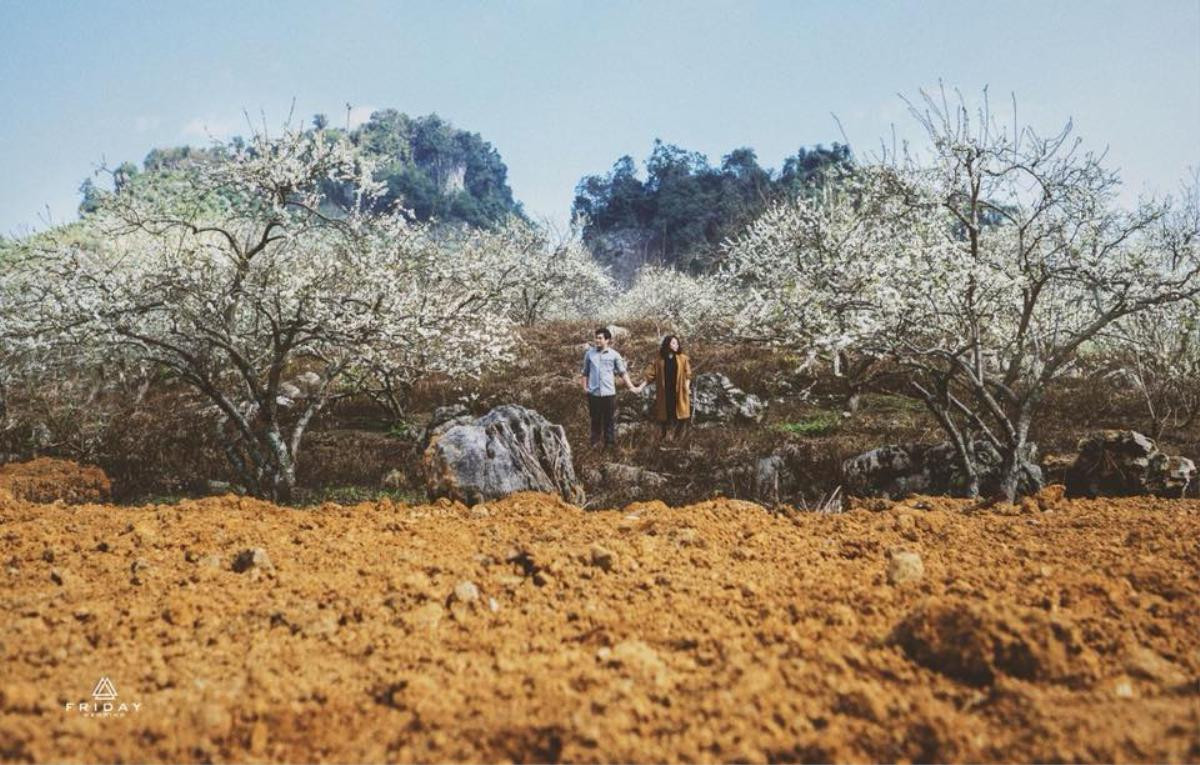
(665, 348)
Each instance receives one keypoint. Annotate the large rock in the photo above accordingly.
(630, 476)
(444, 418)
(714, 399)
(1125, 463)
(780, 474)
(897, 470)
(509, 449)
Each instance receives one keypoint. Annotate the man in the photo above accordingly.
(601, 364)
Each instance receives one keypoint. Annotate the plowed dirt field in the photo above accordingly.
(529, 630)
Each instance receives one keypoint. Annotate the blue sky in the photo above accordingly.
(563, 89)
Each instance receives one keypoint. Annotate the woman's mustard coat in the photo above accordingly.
(683, 379)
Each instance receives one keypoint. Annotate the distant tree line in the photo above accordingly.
(427, 166)
(685, 207)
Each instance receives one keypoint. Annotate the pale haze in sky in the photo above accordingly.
(562, 89)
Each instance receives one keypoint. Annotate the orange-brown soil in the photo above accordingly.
(47, 480)
(529, 630)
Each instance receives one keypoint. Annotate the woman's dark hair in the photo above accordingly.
(665, 348)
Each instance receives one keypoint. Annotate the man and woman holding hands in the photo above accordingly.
(671, 371)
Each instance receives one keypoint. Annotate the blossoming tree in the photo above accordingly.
(673, 300)
(816, 274)
(981, 269)
(239, 275)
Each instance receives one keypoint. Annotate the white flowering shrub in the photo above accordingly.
(981, 270)
(240, 278)
(533, 276)
(1158, 352)
(673, 300)
(817, 274)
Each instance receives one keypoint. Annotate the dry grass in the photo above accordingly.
(162, 449)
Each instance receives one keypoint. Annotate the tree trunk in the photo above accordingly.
(853, 399)
(283, 467)
(1014, 462)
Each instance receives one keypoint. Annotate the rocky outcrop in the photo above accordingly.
(507, 450)
(716, 399)
(780, 474)
(898, 470)
(616, 475)
(1117, 463)
(613, 484)
(444, 418)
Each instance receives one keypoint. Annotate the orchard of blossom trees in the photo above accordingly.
(242, 282)
(981, 268)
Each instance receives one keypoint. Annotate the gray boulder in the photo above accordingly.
(613, 484)
(1119, 463)
(444, 418)
(615, 475)
(780, 474)
(897, 470)
(507, 450)
(716, 399)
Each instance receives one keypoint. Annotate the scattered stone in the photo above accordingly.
(603, 558)
(252, 558)
(1145, 663)
(1118, 463)
(56, 576)
(138, 565)
(395, 479)
(904, 567)
(48, 555)
(507, 450)
(428, 616)
(466, 592)
(613, 483)
(897, 470)
(716, 399)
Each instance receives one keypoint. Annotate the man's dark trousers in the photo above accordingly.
(603, 411)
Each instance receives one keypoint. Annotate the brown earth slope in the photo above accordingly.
(528, 630)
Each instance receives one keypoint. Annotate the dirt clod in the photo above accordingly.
(904, 567)
(255, 558)
(52, 480)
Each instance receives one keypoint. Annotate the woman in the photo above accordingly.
(672, 374)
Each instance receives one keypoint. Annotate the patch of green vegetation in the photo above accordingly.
(352, 495)
(820, 425)
(404, 430)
